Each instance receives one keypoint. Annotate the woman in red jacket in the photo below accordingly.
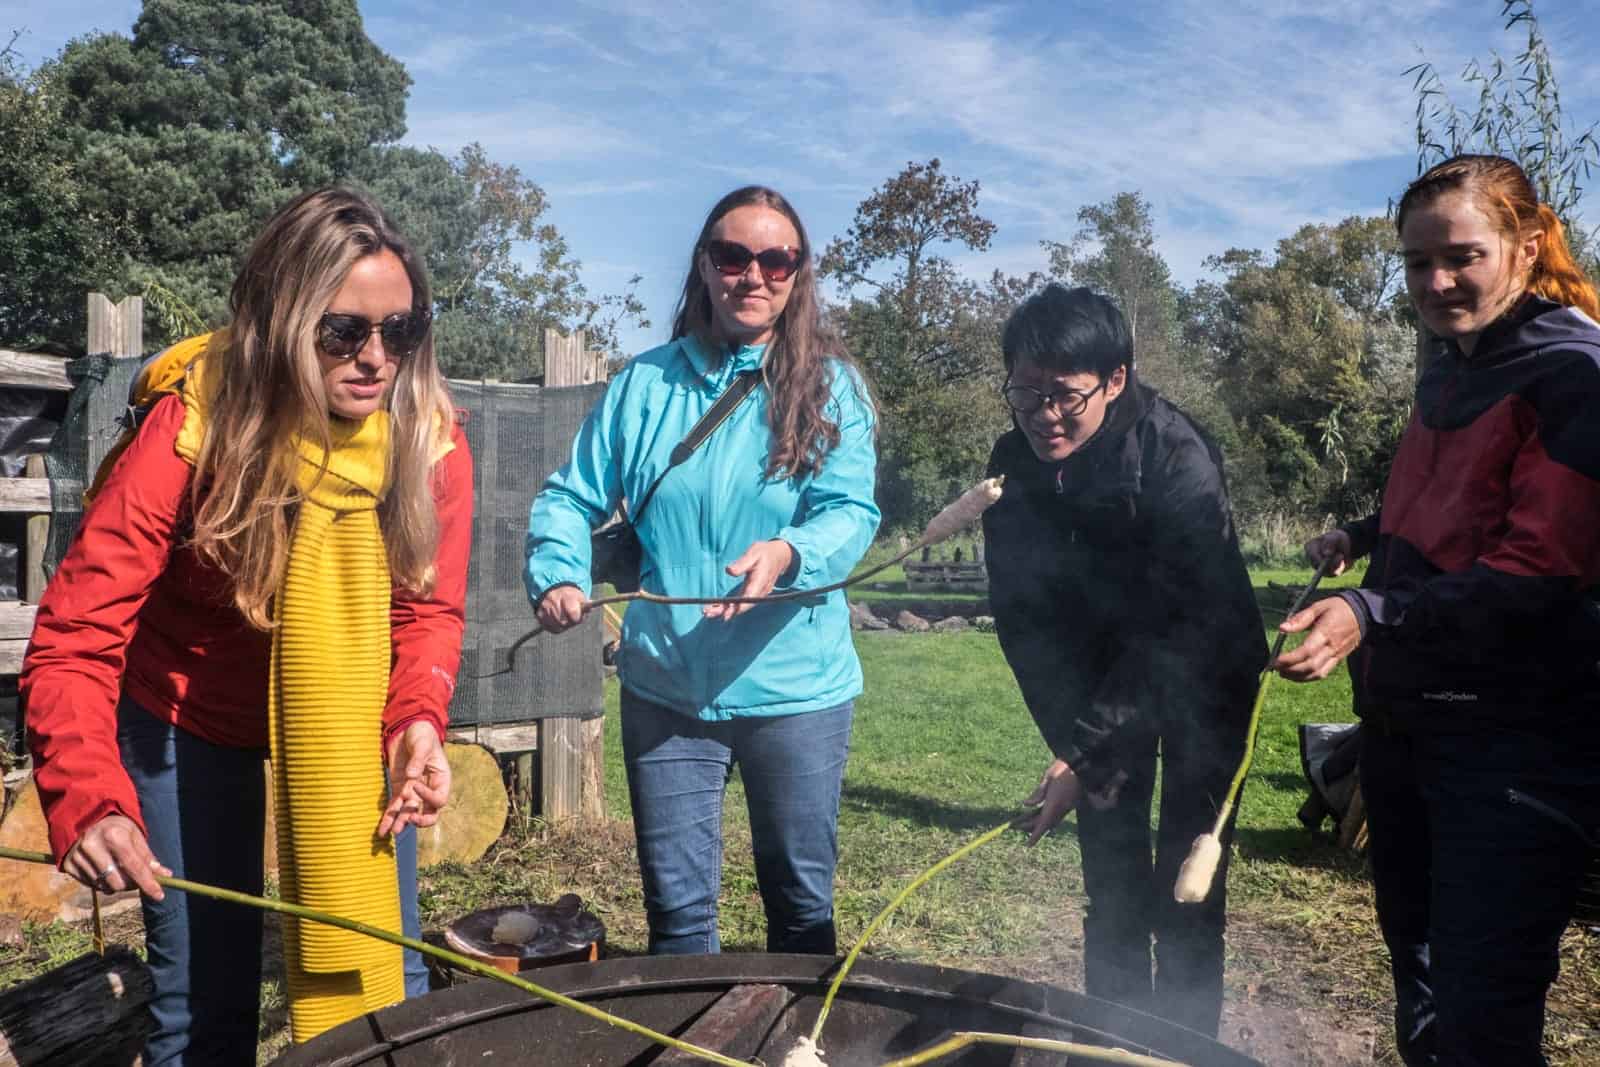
(277, 562)
(1474, 638)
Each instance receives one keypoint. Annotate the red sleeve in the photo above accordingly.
(426, 631)
(72, 675)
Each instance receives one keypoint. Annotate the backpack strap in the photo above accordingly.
(162, 374)
(743, 385)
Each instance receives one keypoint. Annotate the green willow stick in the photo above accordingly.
(1199, 869)
(1071, 1048)
(454, 958)
(1261, 699)
(872, 927)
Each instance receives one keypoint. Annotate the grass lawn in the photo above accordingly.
(943, 750)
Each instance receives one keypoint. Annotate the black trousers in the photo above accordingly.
(1130, 887)
(1477, 843)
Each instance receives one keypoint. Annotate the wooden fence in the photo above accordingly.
(117, 329)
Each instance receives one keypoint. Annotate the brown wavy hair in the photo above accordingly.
(795, 368)
(1501, 188)
(263, 390)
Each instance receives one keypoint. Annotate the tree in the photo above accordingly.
(897, 232)
(473, 219)
(182, 139)
(210, 117)
(1311, 350)
(928, 337)
(1114, 253)
(1519, 115)
(54, 247)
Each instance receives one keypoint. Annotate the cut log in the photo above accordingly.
(476, 814)
(92, 1012)
(737, 1025)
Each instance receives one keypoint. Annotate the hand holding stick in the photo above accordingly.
(571, 606)
(1200, 868)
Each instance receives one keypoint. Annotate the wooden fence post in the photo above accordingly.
(571, 751)
(568, 360)
(116, 328)
(31, 576)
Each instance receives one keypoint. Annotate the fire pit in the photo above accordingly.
(884, 1010)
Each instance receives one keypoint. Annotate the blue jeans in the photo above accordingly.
(1477, 849)
(204, 808)
(678, 769)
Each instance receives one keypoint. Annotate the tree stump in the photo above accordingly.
(476, 814)
(92, 1012)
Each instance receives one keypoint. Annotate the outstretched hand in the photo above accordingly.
(419, 779)
(762, 564)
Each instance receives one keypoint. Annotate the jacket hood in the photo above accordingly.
(1532, 324)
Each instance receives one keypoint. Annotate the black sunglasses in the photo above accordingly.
(344, 336)
(777, 264)
(1025, 401)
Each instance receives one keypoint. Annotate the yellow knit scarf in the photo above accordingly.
(326, 693)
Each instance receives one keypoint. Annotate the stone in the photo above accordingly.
(862, 618)
(952, 624)
(984, 623)
(37, 892)
(913, 624)
(11, 932)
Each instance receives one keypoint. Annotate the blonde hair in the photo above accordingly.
(1501, 188)
(263, 389)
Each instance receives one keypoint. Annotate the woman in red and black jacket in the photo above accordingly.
(1474, 641)
(147, 678)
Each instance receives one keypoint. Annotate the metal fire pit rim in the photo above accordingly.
(1026, 1001)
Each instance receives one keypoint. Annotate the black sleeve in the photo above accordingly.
(1040, 657)
(1363, 534)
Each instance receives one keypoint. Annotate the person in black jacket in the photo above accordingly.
(1125, 611)
(1475, 633)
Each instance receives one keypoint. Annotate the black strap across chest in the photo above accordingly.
(744, 383)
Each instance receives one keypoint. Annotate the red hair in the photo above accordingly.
(1503, 191)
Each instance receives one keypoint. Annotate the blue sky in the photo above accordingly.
(1239, 121)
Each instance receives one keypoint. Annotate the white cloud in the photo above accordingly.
(535, 133)
(603, 187)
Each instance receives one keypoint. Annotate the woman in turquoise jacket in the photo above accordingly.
(779, 497)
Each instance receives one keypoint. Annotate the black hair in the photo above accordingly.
(1068, 331)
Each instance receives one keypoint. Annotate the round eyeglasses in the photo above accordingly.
(1025, 400)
